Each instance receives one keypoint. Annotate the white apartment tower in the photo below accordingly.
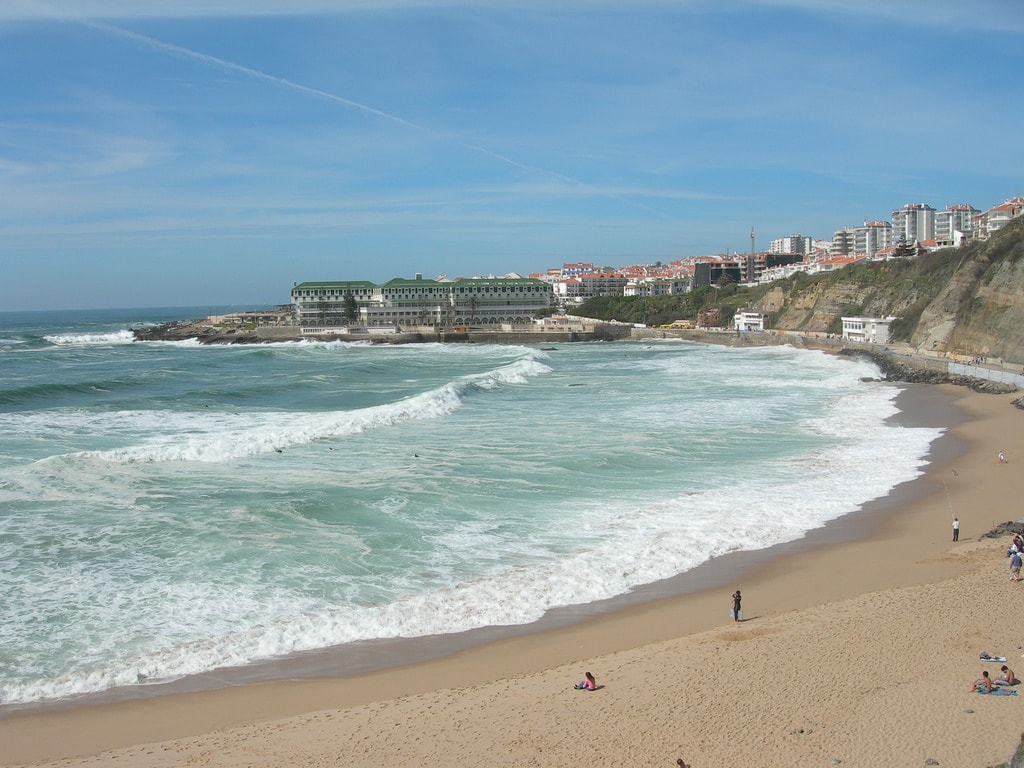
(913, 223)
(843, 242)
(873, 237)
(791, 244)
(955, 218)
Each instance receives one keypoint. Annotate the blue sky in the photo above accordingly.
(203, 152)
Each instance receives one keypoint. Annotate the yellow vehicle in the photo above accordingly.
(682, 325)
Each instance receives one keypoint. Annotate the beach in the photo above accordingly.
(859, 644)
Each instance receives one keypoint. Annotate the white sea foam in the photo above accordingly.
(85, 339)
(151, 573)
(217, 437)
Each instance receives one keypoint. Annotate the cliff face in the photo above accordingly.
(967, 301)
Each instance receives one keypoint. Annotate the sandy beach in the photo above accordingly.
(858, 645)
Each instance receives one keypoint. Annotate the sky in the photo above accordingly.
(208, 152)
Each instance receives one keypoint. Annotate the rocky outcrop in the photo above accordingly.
(205, 333)
(202, 332)
(894, 369)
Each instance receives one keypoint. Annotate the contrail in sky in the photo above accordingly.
(204, 58)
(152, 42)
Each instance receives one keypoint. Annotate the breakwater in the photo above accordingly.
(208, 333)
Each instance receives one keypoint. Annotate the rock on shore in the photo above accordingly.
(894, 370)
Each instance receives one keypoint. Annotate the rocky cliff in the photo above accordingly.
(962, 301)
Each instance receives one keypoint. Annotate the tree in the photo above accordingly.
(349, 307)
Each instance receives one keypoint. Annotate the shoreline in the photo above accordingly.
(918, 405)
(779, 583)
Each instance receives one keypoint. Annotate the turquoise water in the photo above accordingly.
(168, 509)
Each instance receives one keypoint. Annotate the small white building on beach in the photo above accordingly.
(749, 320)
(871, 330)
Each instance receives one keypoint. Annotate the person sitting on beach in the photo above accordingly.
(984, 684)
(587, 684)
(1007, 678)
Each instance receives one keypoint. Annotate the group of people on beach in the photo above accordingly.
(985, 684)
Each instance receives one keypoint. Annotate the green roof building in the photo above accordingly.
(490, 301)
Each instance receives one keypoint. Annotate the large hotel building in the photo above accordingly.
(418, 302)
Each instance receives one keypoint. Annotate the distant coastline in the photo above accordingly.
(897, 362)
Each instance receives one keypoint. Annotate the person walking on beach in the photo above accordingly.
(737, 614)
(956, 529)
(1015, 564)
(1002, 457)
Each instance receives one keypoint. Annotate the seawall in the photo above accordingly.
(897, 362)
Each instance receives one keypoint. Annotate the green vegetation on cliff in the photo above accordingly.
(655, 310)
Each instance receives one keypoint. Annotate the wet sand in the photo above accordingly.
(859, 643)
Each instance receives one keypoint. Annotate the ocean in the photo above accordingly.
(172, 509)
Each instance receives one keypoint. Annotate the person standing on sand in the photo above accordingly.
(1015, 564)
(956, 529)
(737, 614)
(1002, 457)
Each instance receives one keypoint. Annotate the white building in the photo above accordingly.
(791, 244)
(873, 237)
(843, 242)
(913, 222)
(576, 269)
(783, 271)
(998, 217)
(749, 320)
(873, 330)
(403, 302)
(952, 220)
(656, 286)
